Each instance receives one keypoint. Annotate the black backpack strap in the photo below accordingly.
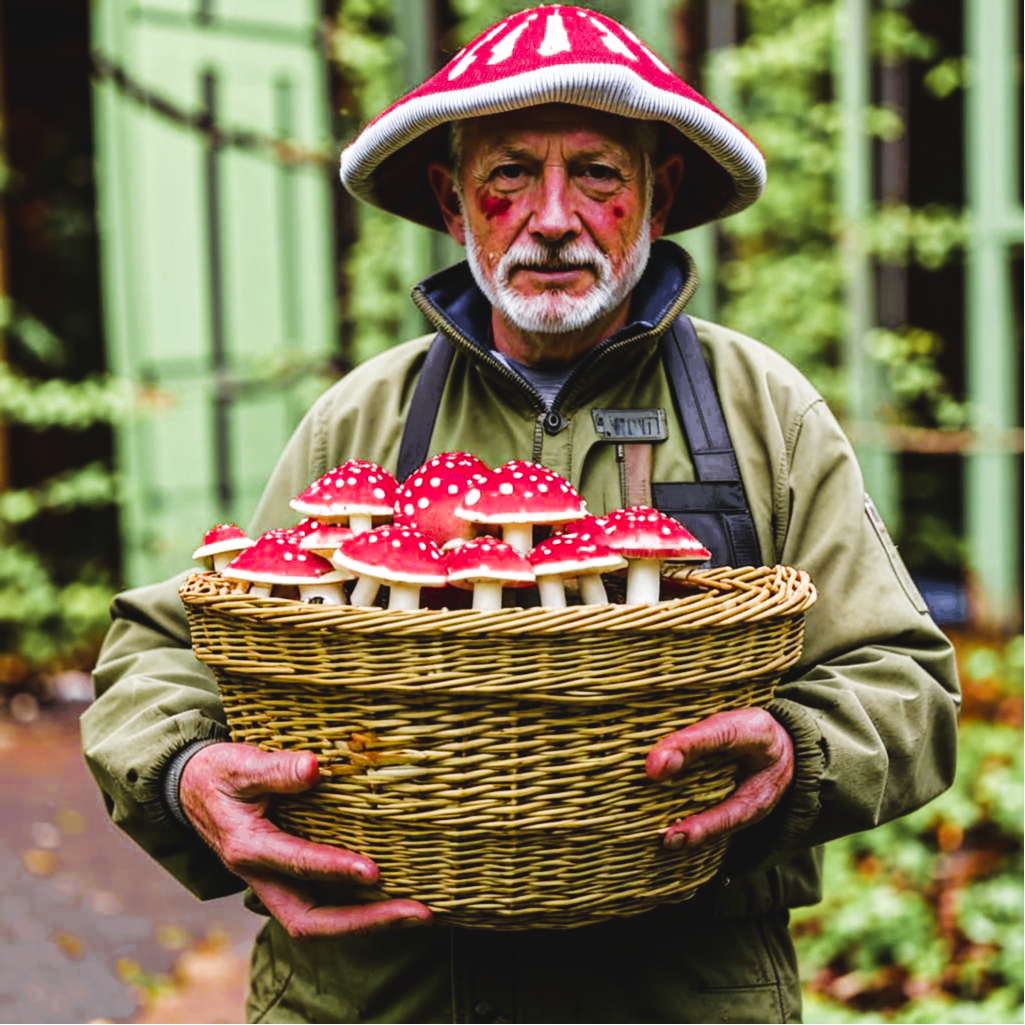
(714, 507)
(423, 408)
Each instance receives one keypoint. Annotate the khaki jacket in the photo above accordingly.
(871, 707)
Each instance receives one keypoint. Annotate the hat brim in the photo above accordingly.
(386, 165)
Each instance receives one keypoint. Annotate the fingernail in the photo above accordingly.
(676, 841)
(410, 923)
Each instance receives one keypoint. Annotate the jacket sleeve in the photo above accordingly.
(872, 706)
(153, 698)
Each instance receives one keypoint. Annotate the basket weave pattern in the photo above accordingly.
(492, 763)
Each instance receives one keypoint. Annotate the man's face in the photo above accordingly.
(556, 212)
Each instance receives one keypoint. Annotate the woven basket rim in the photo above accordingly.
(724, 597)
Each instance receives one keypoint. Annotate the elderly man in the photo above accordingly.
(559, 149)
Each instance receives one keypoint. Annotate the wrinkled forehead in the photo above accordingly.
(579, 126)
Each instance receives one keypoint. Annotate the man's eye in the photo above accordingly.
(600, 172)
(509, 172)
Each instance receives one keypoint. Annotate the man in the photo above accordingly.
(559, 149)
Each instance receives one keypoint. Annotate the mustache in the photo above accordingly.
(567, 256)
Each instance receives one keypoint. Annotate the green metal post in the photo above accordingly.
(992, 496)
(855, 188)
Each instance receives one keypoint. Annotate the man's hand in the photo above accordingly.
(225, 791)
(766, 756)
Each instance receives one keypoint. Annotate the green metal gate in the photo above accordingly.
(217, 251)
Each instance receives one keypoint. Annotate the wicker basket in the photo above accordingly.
(492, 763)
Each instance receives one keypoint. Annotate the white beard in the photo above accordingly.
(556, 311)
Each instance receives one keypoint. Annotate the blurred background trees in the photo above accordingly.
(147, 384)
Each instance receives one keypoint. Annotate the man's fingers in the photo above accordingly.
(753, 799)
(265, 848)
(303, 918)
(249, 772)
(744, 732)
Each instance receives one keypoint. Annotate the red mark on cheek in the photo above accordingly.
(617, 212)
(493, 206)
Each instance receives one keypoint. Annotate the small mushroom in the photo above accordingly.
(220, 545)
(399, 556)
(582, 555)
(355, 492)
(647, 538)
(276, 559)
(518, 495)
(488, 565)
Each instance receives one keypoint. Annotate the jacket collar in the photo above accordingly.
(454, 304)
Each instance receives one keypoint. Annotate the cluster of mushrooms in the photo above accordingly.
(440, 529)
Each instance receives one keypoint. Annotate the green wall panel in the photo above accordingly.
(217, 260)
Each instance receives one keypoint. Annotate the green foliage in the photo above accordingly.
(922, 919)
(784, 277)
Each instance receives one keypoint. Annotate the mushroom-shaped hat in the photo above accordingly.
(220, 545)
(518, 495)
(325, 538)
(488, 565)
(277, 559)
(355, 491)
(399, 556)
(647, 538)
(428, 498)
(580, 554)
(554, 54)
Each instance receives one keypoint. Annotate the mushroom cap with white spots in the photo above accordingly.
(356, 488)
(225, 537)
(428, 498)
(325, 535)
(277, 558)
(394, 553)
(522, 492)
(488, 558)
(641, 532)
(570, 554)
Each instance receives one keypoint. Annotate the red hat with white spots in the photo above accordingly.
(554, 54)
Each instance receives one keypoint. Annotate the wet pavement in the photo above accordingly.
(90, 928)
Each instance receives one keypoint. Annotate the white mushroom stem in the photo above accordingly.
(258, 589)
(592, 590)
(552, 591)
(330, 594)
(365, 591)
(487, 595)
(519, 535)
(361, 522)
(643, 582)
(221, 559)
(405, 597)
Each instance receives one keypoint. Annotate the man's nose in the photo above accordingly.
(554, 218)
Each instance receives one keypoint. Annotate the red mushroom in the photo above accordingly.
(399, 556)
(428, 499)
(647, 538)
(356, 491)
(220, 545)
(276, 559)
(582, 555)
(518, 495)
(488, 565)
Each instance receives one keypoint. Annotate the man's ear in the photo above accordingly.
(668, 175)
(444, 188)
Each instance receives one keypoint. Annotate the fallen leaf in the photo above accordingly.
(127, 970)
(70, 822)
(69, 944)
(40, 862)
(173, 937)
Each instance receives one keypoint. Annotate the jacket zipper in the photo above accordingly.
(441, 323)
